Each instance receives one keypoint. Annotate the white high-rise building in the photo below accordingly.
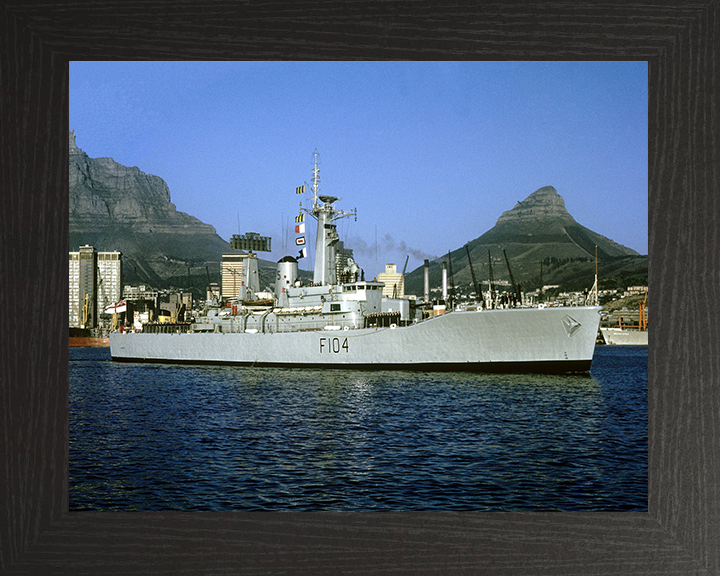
(75, 303)
(95, 283)
(109, 275)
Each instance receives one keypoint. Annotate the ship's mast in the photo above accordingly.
(327, 236)
(316, 176)
(596, 277)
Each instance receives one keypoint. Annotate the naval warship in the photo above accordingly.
(341, 320)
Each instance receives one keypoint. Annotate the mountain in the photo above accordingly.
(115, 207)
(538, 231)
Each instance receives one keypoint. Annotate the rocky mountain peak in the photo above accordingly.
(116, 207)
(542, 204)
(536, 230)
(73, 145)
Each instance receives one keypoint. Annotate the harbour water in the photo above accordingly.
(155, 437)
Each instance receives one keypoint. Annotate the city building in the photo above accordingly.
(231, 277)
(95, 283)
(635, 291)
(109, 284)
(394, 282)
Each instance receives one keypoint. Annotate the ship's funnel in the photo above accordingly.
(427, 281)
(286, 275)
(250, 276)
(444, 280)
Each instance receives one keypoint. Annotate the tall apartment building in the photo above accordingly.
(231, 277)
(109, 289)
(95, 283)
(394, 282)
(75, 300)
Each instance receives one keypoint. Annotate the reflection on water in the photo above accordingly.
(155, 437)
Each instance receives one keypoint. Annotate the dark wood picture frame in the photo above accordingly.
(681, 531)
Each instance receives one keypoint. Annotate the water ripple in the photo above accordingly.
(155, 437)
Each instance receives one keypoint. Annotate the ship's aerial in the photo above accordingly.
(342, 320)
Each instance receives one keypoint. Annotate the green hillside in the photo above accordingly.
(543, 245)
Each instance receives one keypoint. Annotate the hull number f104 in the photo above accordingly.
(334, 345)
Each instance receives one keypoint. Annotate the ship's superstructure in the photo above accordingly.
(629, 335)
(624, 336)
(343, 320)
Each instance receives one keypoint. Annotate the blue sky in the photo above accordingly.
(430, 153)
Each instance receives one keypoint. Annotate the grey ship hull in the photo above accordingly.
(624, 336)
(552, 340)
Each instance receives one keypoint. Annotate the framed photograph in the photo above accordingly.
(39, 533)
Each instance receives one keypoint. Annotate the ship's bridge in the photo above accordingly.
(370, 292)
(364, 287)
(354, 298)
